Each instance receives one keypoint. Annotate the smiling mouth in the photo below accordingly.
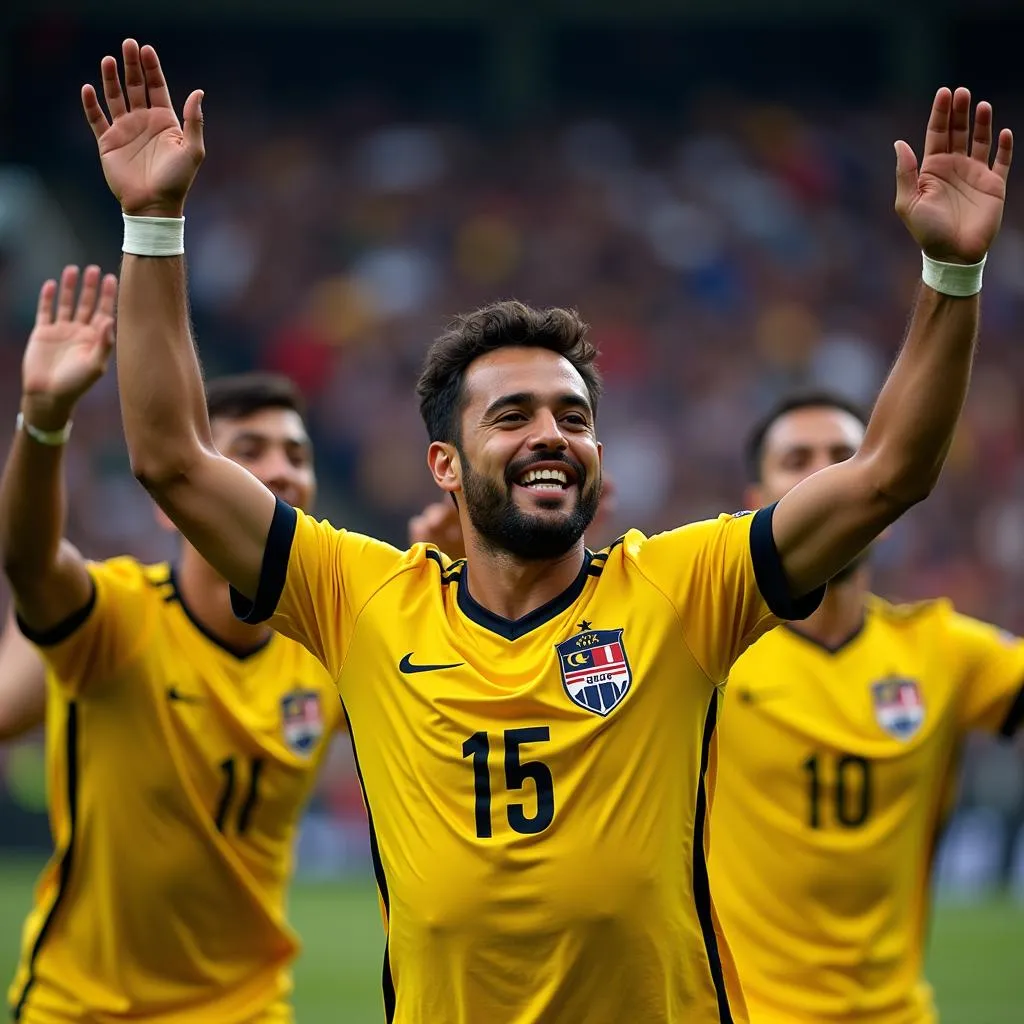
(545, 480)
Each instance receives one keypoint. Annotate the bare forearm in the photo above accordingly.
(161, 384)
(32, 507)
(913, 422)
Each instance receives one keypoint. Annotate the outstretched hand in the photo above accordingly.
(148, 159)
(953, 203)
(69, 348)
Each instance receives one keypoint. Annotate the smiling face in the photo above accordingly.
(528, 463)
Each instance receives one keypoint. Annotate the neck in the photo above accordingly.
(512, 587)
(840, 613)
(207, 597)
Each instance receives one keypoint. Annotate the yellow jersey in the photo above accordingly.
(537, 788)
(177, 773)
(837, 772)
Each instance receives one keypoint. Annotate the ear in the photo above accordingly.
(443, 460)
(753, 496)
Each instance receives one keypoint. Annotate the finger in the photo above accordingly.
(936, 138)
(960, 121)
(1004, 154)
(134, 81)
(87, 296)
(112, 88)
(44, 311)
(108, 295)
(103, 325)
(66, 293)
(982, 143)
(193, 114)
(156, 84)
(93, 111)
(906, 176)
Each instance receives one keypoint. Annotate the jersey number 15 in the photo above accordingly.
(517, 772)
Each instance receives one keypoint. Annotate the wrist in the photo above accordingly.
(47, 412)
(154, 235)
(957, 279)
(176, 209)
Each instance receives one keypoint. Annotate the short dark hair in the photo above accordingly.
(754, 448)
(242, 394)
(499, 325)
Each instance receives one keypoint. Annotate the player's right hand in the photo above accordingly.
(438, 524)
(149, 161)
(70, 346)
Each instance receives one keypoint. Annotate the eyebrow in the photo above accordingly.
(568, 399)
(247, 436)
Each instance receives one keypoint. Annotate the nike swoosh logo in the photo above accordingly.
(173, 693)
(406, 666)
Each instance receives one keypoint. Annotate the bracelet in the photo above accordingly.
(53, 438)
(154, 236)
(953, 278)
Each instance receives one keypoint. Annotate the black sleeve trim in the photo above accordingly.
(273, 570)
(771, 576)
(1015, 716)
(65, 628)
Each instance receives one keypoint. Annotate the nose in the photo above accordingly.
(546, 435)
(276, 470)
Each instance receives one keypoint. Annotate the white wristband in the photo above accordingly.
(53, 438)
(953, 278)
(154, 236)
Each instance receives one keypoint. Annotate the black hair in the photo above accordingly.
(242, 394)
(499, 325)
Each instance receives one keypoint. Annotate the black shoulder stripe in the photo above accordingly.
(771, 575)
(1015, 716)
(60, 632)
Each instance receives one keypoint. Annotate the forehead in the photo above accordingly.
(818, 426)
(515, 370)
(271, 424)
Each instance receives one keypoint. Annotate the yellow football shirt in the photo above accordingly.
(835, 779)
(537, 788)
(177, 774)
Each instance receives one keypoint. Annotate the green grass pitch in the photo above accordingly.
(975, 963)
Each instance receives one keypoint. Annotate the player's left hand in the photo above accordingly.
(438, 524)
(953, 203)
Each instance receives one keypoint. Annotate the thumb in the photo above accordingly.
(906, 176)
(103, 324)
(194, 123)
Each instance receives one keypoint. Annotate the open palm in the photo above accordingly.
(953, 204)
(70, 346)
(148, 159)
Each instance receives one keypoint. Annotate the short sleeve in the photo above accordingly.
(314, 582)
(991, 675)
(94, 642)
(726, 581)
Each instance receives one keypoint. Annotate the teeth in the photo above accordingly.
(549, 479)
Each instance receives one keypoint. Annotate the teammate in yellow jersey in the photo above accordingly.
(837, 757)
(181, 744)
(534, 725)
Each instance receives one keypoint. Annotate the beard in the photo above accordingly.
(505, 527)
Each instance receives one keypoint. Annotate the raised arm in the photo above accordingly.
(952, 207)
(149, 162)
(66, 353)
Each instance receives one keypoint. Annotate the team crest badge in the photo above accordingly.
(899, 708)
(302, 720)
(595, 669)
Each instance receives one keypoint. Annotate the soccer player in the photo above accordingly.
(838, 757)
(534, 725)
(181, 743)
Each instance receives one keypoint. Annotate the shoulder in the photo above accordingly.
(932, 614)
(128, 577)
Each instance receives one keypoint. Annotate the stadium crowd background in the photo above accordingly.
(726, 240)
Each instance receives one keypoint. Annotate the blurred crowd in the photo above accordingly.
(721, 260)
(719, 264)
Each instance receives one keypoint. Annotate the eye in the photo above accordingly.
(512, 417)
(575, 419)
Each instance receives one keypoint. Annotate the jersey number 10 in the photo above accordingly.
(517, 771)
(849, 780)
